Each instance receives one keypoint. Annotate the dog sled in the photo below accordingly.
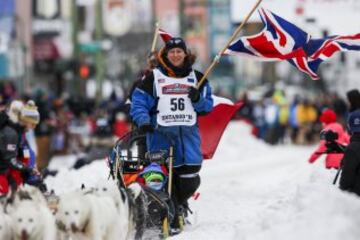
(129, 162)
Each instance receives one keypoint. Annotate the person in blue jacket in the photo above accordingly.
(169, 101)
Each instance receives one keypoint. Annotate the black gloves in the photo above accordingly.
(20, 166)
(38, 182)
(41, 186)
(146, 128)
(194, 94)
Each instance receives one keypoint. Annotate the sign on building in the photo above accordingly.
(116, 17)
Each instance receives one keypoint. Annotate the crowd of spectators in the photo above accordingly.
(278, 120)
(72, 125)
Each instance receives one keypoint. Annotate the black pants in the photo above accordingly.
(186, 182)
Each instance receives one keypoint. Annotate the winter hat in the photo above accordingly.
(354, 122)
(328, 116)
(154, 176)
(29, 113)
(175, 42)
(14, 110)
(152, 168)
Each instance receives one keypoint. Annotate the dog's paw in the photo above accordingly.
(135, 190)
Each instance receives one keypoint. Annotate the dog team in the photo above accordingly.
(101, 213)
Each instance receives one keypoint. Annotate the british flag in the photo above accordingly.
(302, 63)
(277, 41)
(282, 40)
(315, 51)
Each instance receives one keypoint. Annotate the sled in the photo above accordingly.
(128, 161)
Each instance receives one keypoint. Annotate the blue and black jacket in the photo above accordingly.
(185, 139)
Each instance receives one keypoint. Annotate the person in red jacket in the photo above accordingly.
(332, 160)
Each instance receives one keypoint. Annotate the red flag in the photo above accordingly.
(212, 126)
(165, 36)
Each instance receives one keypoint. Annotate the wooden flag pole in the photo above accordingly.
(217, 57)
(171, 164)
(156, 33)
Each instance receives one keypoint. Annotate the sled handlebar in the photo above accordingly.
(159, 156)
(135, 135)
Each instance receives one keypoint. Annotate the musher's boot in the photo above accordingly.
(177, 226)
(186, 212)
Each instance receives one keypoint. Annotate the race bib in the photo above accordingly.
(174, 106)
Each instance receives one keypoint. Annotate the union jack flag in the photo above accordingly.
(282, 40)
(315, 51)
(277, 41)
(165, 36)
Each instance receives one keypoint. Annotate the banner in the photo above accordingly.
(213, 125)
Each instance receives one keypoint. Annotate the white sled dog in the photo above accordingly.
(33, 220)
(87, 216)
(110, 189)
(5, 220)
(129, 207)
(5, 226)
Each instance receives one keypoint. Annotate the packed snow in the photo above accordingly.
(251, 190)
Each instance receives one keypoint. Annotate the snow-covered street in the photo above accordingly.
(251, 190)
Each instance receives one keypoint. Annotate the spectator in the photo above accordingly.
(14, 165)
(333, 160)
(350, 176)
(43, 130)
(353, 97)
